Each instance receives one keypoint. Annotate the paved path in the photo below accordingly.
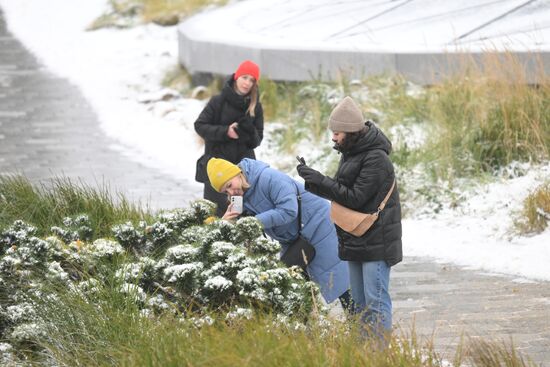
(47, 129)
(449, 301)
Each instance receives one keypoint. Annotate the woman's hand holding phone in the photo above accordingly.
(234, 209)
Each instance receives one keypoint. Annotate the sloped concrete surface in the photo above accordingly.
(322, 39)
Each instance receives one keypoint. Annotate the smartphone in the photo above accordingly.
(301, 159)
(237, 204)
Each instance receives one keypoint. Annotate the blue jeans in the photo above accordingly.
(370, 291)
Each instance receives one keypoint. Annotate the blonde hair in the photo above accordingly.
(245, 185)
(253, 99)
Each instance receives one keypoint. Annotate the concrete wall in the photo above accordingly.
(285, 64)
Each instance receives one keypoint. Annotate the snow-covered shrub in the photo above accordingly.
(143, 272)
(28, 332)
(133, 292)
(103, 249)
(157, 304)
(247, 229)
(22, 251)
(186, 278)
(129, 236)
(150, 238)
(536, 210)
(240, 313)
(182, 263)
(77, 228)
(7, 358)
(263, 245)
(178, 219)
(89, 288)
(202, 209)
(181, 254)
(18, 232)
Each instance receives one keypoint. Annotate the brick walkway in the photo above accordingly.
(47, 128)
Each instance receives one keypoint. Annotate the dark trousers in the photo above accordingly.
(347, 302)
(220, 199)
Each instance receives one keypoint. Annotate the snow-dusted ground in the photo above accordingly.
(118, 70)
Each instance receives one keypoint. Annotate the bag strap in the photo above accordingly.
(383, 203)
(299, 199)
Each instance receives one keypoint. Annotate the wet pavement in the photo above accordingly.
(48, 129)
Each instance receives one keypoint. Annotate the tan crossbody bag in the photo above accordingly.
(354, 222)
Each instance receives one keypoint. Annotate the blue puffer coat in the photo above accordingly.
(272, 199)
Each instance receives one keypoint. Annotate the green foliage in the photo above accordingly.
(51, 202)
(79, 332)
(302, 108)
(476, 121)
(272, 102)
(128, 13)
(184, 265)
(484, 353)
(153, 10)
(393, 100)
(177, 78)
(212, 293)
(488, 117)
(111, 331)
(536, 211)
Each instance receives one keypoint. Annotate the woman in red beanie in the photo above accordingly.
(232, 125)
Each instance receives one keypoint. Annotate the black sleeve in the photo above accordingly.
(251, 129)
(258, 134)
(372, 173)
(207, 126)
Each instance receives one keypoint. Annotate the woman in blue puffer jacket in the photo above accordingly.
(271, 196)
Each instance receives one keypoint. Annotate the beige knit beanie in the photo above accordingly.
(346, 117)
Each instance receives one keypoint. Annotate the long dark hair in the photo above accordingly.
(351, 139)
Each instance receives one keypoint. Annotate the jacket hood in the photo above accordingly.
(252, 170)
(373, 139)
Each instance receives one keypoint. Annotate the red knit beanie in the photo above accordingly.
(248, 68)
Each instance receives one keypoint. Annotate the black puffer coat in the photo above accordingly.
(364, 177)
(221, 111)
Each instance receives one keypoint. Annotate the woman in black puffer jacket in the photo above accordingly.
(232, 126)
(365, 176)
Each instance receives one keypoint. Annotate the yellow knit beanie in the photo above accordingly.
(220, 171)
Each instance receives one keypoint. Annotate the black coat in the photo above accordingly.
(221, 111)
(364, 177)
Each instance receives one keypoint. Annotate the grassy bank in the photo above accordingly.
(112, 332)
(47, 204)
(132, 302)
(536, 211)
(475, 122)
(129, 13)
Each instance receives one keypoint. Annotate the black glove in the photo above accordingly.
(246, 123)
(309, 174)
(244, 135)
